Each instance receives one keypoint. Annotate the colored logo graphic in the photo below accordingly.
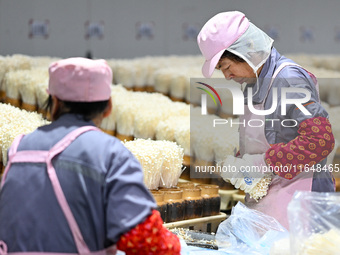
(248, 180)
(209, 93)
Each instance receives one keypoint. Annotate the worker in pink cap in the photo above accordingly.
(69, 187)
(286, 151)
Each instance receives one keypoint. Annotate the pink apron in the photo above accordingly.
(46, 157)
(253, 141)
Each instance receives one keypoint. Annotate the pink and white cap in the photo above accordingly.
(80, 80)
(220, 32)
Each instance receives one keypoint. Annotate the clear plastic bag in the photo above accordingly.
(248, 231)
(314, 223)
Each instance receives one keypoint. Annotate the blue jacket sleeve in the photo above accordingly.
(128, 201)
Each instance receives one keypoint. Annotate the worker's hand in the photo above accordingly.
(244, 173)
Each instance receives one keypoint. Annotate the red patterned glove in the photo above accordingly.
(315, 143)
(150, 237)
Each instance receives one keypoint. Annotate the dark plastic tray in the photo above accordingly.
(198, 236)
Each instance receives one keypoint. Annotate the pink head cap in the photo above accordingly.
(220, 32)
(80, 80)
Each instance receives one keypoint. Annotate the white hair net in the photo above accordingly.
(254, 46)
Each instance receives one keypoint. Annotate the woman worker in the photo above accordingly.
(288, 147)
(70, 188)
